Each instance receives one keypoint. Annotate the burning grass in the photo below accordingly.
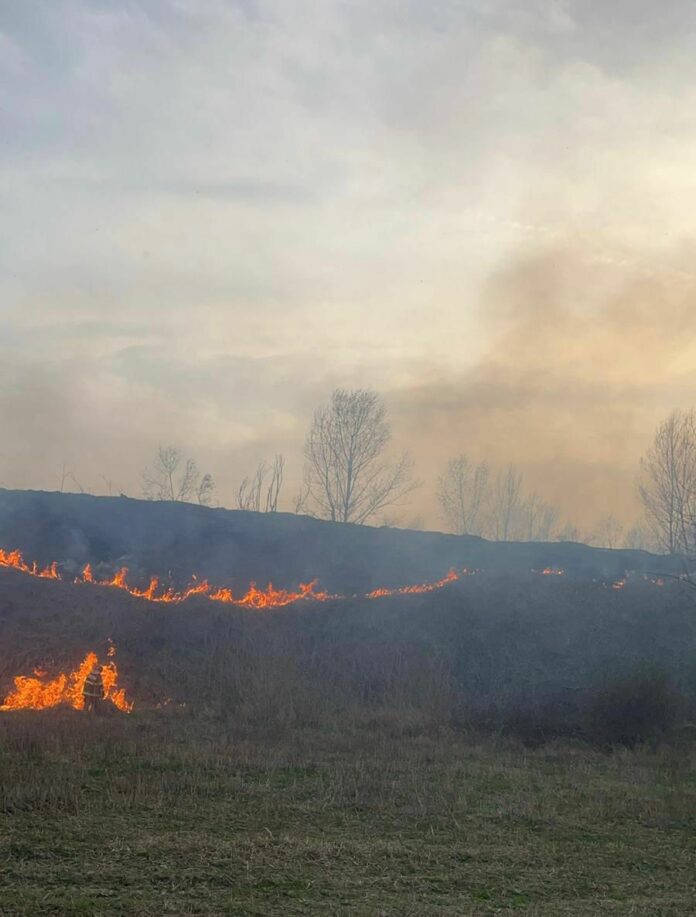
(38, 692)
(254, 597)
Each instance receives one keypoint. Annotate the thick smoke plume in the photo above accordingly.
(583, 360)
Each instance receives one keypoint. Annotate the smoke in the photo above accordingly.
(584, 357)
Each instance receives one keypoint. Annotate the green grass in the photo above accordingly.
(169, 815)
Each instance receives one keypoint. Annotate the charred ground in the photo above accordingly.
(232, 547)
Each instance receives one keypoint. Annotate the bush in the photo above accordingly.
(638, 708)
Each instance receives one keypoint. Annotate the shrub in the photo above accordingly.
(638, 708)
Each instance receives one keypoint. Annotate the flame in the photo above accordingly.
(14, 559)
(37, 692)
(419, 588)
(254, 597)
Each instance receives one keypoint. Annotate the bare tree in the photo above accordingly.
(109, 484)
(570, 532)
(533, 519)
(609, 532)
(260, 493)
(668, 483)
(463, 494)
(507, 496)
(249, 493)
(174, 477)
(67, 475)
(346, 478)
(516, 515)
(275, 484)
(640, 538)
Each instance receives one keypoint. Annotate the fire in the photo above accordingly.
(37, 692)
(14, 559)
(254, 597)
(420, 588)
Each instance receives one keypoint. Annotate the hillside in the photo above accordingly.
(513, 636)
(505, 632)
(233, 548)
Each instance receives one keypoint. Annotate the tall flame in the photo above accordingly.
(39, 693)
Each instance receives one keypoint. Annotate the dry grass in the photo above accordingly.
(175, 815)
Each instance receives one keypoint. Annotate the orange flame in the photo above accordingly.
(254, 597)
(420, 588)
(39, 693)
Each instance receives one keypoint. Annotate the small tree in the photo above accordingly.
(609, 532)
(463, 494)
(507, 497)
(346, 478)
(261, 492)
(173, 477)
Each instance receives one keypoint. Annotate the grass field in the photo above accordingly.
(165, 814)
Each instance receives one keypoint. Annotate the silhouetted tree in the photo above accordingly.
(609, 532)
(507, 496)
(174, 477)
(668, 483)
(463, 494)
(346, 478)
(261, 492)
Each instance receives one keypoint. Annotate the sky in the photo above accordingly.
(214, 212)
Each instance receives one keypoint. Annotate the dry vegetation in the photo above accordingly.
(454, 754)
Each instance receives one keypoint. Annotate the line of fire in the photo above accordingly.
(38, 692)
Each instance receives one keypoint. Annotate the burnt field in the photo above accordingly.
(233, 548)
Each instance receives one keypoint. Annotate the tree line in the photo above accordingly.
(348, 477)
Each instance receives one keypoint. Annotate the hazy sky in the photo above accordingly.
(215, 211)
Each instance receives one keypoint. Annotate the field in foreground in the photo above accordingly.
(170, 815)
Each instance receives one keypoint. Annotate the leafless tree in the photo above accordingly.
(249, 492)
(260, 493)
(570, 532)
(463, 494)
(67, 475)
(533, 520)
(668, 483)
(516, 515)
(109, 484)
(346, 478)
(507, 497)
(609, 532)
(174, 477)
(639, 538)
(275, 484)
